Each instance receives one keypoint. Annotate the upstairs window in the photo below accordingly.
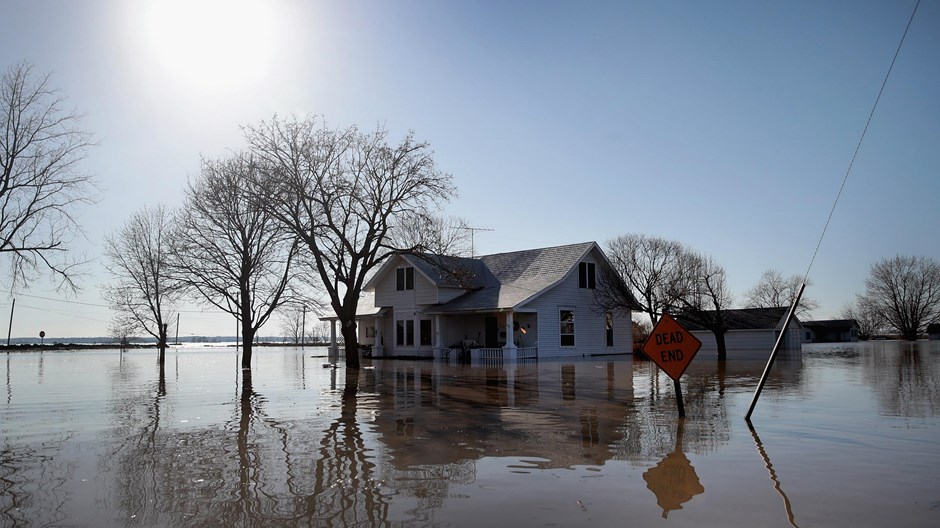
(405, 279)
(586, 275)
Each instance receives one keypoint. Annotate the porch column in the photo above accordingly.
(333, 348)
(438, 337)
(377, 350)
(509, 351)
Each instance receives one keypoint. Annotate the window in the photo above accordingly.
(405, 279)
(587, 275)
(405, 333)
(425, 332)
(567, 327)
(609, 318)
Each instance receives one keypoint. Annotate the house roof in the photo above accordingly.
(933, 328)
(835, 324)
(744, 319)
(502, 281)
(511, 279)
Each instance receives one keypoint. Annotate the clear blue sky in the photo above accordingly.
(725, 125)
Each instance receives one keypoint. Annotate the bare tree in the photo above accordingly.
(121, 330)
(904, 291)
(230, 251)
(773, 290)
(867, 318)
(706, 299)
(41, 146)
(437, 235)
(292, 324)
(647, 269)
(343, 193)
(143, 290)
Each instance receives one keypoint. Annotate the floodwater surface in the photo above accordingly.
(844, 435)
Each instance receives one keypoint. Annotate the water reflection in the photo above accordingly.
(425, 443)
(773, 476)
(673, 480)
(904, 378)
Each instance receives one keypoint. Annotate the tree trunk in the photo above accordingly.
(351, 341)
(161, 344)
(248, 339)
(720, 341)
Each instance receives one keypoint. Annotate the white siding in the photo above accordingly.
(386, 293)
(750, 339)
(590, 326)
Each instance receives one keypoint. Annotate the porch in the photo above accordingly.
(473, 337)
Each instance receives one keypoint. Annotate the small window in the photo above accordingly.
(587, 275)
(567, 328)
(405, 279)
(425, 332)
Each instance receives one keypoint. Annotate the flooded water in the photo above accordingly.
(846, 435)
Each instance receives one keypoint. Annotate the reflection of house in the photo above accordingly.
(555, 413)
(750, 329)
(933, 331)
(832, 331)
(533, 303)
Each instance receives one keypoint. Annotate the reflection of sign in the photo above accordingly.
(671, 347)
(673, 481)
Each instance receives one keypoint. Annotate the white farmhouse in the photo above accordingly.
(523, 304)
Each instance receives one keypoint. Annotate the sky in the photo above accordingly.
(727, 126)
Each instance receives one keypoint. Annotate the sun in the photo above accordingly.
(211, 45)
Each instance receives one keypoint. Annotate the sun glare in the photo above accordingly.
(211, 45)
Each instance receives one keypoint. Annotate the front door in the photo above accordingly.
(490, 332)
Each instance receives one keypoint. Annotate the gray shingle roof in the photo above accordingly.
(744, 319)
(509, 279)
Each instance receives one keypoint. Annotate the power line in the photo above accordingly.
(860, 139)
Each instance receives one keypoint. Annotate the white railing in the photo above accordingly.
(488, 354)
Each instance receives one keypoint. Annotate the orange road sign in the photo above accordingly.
(671, 347)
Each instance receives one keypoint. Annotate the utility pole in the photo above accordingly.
(177, 328)
(303, 327)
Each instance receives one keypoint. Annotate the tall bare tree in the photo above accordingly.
(904, 291)
(41, 146)
(143, 291)
(868, 319)
(230, 251)
(344, 192)
(706, 299)
(650, 268)
(773, 290)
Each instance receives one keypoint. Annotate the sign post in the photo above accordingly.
(672, 348)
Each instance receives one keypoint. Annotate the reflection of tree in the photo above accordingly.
(905, 379)
(646, 435)
(138, 486)
(254, 471)
(32, 480)
(345, 490)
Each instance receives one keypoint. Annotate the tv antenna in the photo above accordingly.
(472, 231)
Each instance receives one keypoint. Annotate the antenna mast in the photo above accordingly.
(472, 231)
